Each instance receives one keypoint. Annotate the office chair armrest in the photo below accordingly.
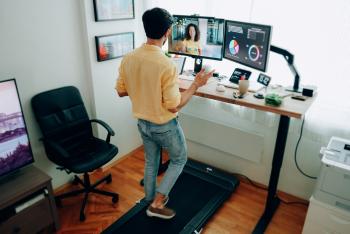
(106, 126)
(57, 148)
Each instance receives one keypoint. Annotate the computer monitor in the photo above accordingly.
(197, 36)
(15, 150)
(247, 44)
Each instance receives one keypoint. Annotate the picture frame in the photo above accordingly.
(107, 10)
(113, 46)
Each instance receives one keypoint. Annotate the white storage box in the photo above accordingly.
(323, 218)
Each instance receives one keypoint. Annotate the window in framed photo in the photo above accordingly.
(113, 10)
(114, 45)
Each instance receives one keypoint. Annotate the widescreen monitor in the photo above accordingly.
(197, 36)
(247, 44)
(15, 149)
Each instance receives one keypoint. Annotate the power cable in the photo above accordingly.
(296, 152)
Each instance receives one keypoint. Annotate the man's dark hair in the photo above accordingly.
(187, 32)
(156, 22)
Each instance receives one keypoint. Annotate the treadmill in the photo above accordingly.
(197, 194)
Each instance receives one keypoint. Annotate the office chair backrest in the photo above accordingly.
(61, 115)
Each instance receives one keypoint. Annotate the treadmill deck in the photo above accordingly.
(197, 194)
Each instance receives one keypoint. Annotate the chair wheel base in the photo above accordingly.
(109, 179)
(58, 202)
(115, 199)
(75, 181)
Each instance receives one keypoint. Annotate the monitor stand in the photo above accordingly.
(298, 89)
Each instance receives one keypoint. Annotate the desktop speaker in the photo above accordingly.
(309, 91)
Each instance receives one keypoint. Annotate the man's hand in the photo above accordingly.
(122, 94)
(202, 78)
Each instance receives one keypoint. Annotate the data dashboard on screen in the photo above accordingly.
(247, 43)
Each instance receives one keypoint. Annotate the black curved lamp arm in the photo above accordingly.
(106, 126)
(290, 59)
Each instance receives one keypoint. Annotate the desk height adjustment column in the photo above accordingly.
(272, 200)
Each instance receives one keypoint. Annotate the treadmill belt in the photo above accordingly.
(190, 197)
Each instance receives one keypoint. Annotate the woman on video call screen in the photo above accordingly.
(188, 37)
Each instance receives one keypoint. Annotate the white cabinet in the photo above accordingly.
(323, 218)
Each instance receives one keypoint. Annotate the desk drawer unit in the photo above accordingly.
(30, 220)
(324, 218)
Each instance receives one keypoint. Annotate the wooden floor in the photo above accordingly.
(238, 215)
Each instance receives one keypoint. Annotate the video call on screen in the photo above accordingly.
(210, 41)
(247, 44)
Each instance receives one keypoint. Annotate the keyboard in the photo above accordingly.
(186, 77)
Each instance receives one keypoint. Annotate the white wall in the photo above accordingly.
(40, 46)
(47, 44)
(109, 107)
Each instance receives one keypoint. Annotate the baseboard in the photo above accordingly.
(62, 188)
(283, 195)
(120, 159)
(65, 186)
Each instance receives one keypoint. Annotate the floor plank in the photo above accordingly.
(238, 215)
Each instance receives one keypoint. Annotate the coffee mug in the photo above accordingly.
(243, 86)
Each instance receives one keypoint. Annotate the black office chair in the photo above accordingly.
(69, 141)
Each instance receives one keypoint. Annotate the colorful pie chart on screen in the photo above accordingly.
(233, 47)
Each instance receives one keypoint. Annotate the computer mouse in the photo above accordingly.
(220, 88)
(259, 95)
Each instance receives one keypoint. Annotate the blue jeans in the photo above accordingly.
(170, 137)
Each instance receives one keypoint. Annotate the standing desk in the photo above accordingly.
(290, 108)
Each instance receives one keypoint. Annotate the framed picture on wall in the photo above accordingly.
(114, 45)
(106, 10)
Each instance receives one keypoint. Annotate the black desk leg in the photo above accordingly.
(162, 166)
(272, 200)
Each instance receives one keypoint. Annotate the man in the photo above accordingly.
(150, 79)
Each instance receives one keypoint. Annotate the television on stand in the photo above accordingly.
(15, 148)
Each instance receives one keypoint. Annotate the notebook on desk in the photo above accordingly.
(254, 86)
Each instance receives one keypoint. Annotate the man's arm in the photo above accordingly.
(200, 80)
(120, 85)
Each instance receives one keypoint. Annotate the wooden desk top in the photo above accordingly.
(290, 107)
